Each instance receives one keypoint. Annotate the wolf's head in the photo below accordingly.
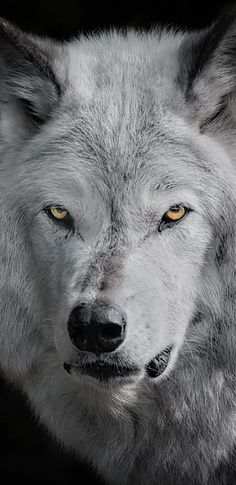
(116, 195)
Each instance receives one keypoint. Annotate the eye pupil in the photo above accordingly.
(176, 208)
(174, 214)
(58, 212)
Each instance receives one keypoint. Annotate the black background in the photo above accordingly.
(63, 19)
(28, 454)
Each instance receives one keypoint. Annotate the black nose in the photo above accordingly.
(97, 328)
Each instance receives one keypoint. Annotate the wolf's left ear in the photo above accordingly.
(208, 70)
(29, 89)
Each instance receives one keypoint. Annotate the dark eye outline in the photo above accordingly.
(167, 222)
(66, 223)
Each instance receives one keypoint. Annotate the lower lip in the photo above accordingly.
(102, 371)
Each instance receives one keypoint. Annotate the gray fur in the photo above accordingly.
(118, 128)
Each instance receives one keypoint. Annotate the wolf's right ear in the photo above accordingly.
(29, 89)
(207, 74)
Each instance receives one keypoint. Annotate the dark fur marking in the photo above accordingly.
(135, 421)
(29, 108)
(197, 318)
(221, 250)
(205, 123)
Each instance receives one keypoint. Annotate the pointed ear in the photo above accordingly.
(208, 71)
(29, 89)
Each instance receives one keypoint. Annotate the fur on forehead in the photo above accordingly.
(118, 108)
(66, 173)
(181, 73)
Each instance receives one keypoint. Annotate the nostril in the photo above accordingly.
(80, 333)
(97, 328)
(110, 331)
(78, 336)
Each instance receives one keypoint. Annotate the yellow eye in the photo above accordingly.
(175, 213)
(61, 217)
(58, 213)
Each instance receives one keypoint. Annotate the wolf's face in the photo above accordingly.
(112, 209)
(127, 257)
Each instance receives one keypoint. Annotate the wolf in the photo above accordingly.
(117, 246)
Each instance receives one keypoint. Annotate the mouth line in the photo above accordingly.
(103, 370)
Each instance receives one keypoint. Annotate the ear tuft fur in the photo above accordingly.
(208, 68)
(27, 80)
